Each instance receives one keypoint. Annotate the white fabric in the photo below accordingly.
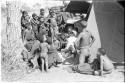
(71, 41)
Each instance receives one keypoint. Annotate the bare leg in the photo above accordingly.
(46, 65)
(42, 65)
(46, 59)
(35, 63)
(84, 52)
(81, 58)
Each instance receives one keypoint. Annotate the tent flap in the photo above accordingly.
(110, 22)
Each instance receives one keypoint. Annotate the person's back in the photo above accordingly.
(107, 64)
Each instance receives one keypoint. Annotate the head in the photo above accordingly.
(82, 16)
(42, 11)
(27, 17)
(52, 13)
(70, 28)
(34, 16)
(24, 13)
(101, 51)
(84, 23)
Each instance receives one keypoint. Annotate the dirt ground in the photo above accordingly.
(60, 74)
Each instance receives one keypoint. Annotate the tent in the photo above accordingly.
(106, 23)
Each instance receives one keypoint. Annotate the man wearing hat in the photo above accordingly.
(83, 43)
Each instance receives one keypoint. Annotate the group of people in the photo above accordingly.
(39, 35)
(43, 41)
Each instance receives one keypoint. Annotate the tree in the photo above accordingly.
(14, 27)
(11, 51)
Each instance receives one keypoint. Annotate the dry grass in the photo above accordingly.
(12, 66)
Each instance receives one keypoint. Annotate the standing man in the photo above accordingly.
(53, 24)
(25, 23)
(35, 23)
(83, 43)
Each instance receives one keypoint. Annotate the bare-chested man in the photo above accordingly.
(83, 43)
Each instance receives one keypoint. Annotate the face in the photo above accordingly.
(42, 12)
(35, 17)
(25, 14)
(70, 29)
(27, 17)
(53, 15)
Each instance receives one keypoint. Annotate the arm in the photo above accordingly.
(23, 22)
(92, 40)
(77, 40)
(101, 66)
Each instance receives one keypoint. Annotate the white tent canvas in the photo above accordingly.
(93, 28)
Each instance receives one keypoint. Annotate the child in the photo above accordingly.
(44, 54)
(106, 65)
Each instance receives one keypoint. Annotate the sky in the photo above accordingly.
(43, 3)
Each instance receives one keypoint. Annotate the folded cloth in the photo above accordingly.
(83, 68)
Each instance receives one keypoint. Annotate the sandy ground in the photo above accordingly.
(60, 74)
